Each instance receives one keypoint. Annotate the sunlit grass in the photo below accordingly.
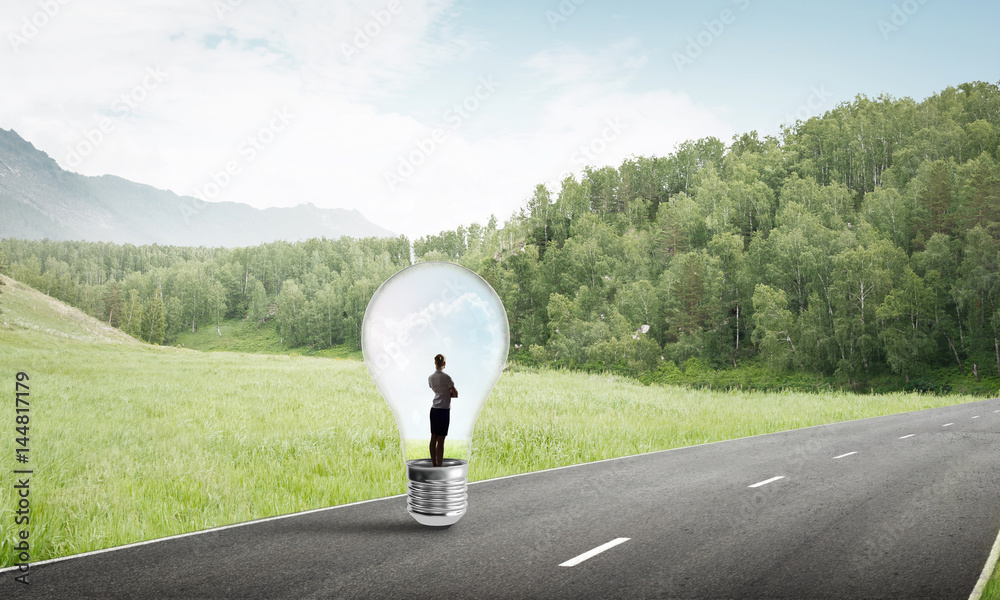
(131, 444)
(542, 419)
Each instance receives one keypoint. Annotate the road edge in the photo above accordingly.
(984, 577)
(201, 531)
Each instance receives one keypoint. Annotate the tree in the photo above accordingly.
(113, 303)
(540, 227)
(328, 307)
(679, 227)
(522, 292)
(773, 326)
(798, 256)
(639, 305)
(733, 290)
(216, 297)
(131, 321)
(906, 315)
(290, 314)
(258, 311)
(604, 190)
(979, 202)
(645, 179)
(750, 199)
(864, 276)
(685, 164)
(978, 292)
(714, 201)
(934, 211)
(155, 321)
(572, 335)
(891, 215)
(688, 294)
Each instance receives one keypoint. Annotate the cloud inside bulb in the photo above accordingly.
(445, 320)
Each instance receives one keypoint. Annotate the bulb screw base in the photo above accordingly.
(437, 496)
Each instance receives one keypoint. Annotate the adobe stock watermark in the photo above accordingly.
(713, 30)
(366, 34)
(425, 147)
(32, 25)
(562, 13)
(248, 150)
(899, 17)
(123, 106)
(818, 99)
(588, 153)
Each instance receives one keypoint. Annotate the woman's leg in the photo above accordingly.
(437, 449)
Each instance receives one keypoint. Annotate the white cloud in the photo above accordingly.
(224, 76)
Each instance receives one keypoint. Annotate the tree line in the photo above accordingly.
(860, 242)
(315, 291)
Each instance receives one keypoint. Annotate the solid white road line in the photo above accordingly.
(843, 455)
(592, 553)
(906, 436)
(767, 481)
(984, 577)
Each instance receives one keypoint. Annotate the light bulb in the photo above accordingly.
(427, 309)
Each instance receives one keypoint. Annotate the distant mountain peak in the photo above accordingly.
(39, 200)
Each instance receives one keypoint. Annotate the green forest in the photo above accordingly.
(863, 243)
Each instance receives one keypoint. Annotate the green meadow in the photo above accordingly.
(131, 442)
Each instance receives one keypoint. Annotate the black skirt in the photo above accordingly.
(440, 419)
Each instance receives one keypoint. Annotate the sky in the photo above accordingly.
(429, 114)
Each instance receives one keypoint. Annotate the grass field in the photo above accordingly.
(132, 442)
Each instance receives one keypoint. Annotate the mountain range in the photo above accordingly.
(39, 199)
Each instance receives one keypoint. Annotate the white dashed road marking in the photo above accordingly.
(592, 553)
(766, 481)
(843, 455)
(906, 436)
(947, 425)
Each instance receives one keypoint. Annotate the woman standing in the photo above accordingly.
(444, 391)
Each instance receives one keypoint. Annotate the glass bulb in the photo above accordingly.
(427, 309)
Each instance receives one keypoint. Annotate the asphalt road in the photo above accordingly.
(905, 506)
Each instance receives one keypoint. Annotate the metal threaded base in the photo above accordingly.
(437, 496)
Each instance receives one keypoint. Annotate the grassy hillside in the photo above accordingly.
(25, 309)
(130, 441)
